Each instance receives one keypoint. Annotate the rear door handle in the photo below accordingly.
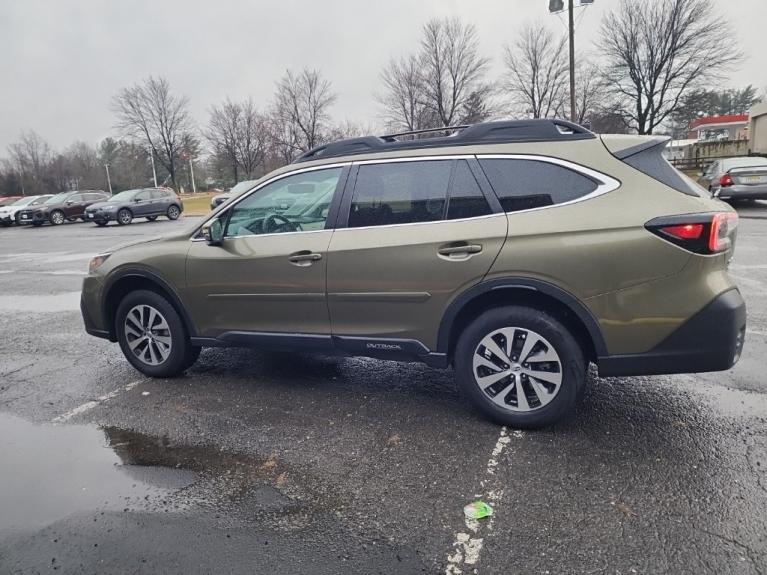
(465, 249)
(304, 258)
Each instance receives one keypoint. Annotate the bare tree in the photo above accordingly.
(150, 112)
(252, 138)
(589, 91)
(658, 51)
(301, 109)
(31, 159)
(221, 132)
(404, 99)
(536, 72)
(452, 68)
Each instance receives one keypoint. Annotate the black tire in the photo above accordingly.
(124, 217)
(7, 224)
(101, 224)
(182, 353)
(71, 219)
(37, 224)
(573, 365)
(173, 212)
(57, 217)
(151, 218)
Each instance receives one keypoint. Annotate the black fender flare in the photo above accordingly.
(562, 296)
(153, 276)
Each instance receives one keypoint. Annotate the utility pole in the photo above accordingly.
(191, 175)
(571, 28)
(154, 172)
(109, 180)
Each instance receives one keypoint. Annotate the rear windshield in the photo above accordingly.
(651, 162)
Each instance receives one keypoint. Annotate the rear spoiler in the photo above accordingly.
(623, 147)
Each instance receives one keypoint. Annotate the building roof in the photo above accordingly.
(718, 120)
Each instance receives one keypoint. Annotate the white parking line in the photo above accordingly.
(88, 405)
(468, 546)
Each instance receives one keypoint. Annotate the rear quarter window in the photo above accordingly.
(523, 184)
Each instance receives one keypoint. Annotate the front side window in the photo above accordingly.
(400, 193)
(526, 184)
(291, 204)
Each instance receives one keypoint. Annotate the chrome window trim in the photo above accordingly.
(605, 183)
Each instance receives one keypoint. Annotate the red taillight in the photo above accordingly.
(723, 226)
(699, 233)
(725, 180)
(685, 231)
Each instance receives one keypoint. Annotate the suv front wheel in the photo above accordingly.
(152, 335)
(520, 366)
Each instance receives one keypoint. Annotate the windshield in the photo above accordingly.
(23, 202)
(123, 196)
(57, 199)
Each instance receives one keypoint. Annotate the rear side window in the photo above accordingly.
(652, 163)
(466, 198)
(160, 195)
(400, 193)
(526, 184)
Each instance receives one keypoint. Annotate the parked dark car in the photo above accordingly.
(66, 206)
(149, 203)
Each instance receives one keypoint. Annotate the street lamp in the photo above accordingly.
(109, 180)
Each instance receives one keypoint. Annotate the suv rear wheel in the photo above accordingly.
(173, 212)
(520, 366)
(152, 335)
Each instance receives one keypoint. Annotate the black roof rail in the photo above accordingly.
(501, 132)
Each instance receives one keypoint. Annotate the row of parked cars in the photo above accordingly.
(94, 206)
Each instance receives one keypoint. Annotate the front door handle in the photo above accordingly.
(460, 250)
(304, 258)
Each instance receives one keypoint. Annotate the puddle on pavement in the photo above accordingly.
(51, 471)
(66, 301)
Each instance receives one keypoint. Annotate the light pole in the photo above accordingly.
(556, 6)
(154, 172)
(109, 180)
(191, 174)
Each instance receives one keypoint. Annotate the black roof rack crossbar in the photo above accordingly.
(393, 137)
(502, 132)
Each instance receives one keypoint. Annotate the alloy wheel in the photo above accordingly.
(124, 217)
(517, 369)
(57, 218)
(173, 212)
(147, 334)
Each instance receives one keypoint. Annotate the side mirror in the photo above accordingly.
(137, 200)
(213, 232)
(69, 202)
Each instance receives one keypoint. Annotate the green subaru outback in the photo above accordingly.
(515, 252)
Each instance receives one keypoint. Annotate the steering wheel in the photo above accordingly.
(276, 222)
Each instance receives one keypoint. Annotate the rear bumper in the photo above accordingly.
(758, 192)
(711, 340)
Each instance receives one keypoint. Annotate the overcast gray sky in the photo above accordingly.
(61, 61)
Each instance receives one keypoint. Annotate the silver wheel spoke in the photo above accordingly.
(521, 397)
(488, 380)
(163, 339)
(495, 349)
(530, 340)
(547, 376)
(136, 342)
(543, 395)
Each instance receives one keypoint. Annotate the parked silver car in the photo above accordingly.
(736, 178)
(216, 201)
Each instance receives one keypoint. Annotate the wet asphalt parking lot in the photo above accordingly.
(278, 463)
